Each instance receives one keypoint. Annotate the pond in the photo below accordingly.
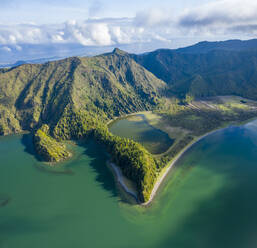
(137, 128)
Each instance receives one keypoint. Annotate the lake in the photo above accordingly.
(136, 127)
(208, 199)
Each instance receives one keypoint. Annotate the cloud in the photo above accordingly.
(223, 16)
(250, 29)
(153, 17)
(92, 32)
(87, 33)
(216, 19)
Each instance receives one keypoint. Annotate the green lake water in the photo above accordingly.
(208, 200)
(154, 140)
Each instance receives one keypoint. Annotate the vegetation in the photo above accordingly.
(134, 160)
(202, 119)
(73, 99)
(199, 118)
(204, 72)
(74, 125)
(48, 148)
(107, 86)
(176, 149)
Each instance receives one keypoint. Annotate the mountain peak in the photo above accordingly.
(118, 51)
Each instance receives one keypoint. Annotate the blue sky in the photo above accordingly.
(136, 25)
(52, 11)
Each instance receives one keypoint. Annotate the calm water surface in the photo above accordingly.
(154, 140)
(208, 200)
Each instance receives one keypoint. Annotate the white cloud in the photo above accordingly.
(223, 16)
(100, 34)
(92, 32)
(216, 19)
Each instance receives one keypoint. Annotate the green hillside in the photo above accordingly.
(217, 72)
(73, 99)
(107, 85)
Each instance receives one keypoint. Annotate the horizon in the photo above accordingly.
(85, 28)
(110, 50)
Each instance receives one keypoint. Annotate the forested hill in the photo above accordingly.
(209, 69)
(108, 85)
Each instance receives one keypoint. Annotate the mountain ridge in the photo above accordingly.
(34, 90)
(200, 47)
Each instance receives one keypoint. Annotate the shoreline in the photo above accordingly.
(169, 166)
(125, 116)
(165, 171)
(119, 177)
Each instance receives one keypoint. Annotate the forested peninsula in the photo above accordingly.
(75, 98)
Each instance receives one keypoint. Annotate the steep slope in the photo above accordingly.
(31, 94)
(115, 84)
(217, 72)
(107, 85)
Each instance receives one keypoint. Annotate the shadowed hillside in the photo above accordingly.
(207, 68)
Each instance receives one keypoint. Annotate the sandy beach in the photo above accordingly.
(161, 176)
(119, 177)
(167, 169)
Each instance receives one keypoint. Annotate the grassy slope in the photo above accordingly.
(189, 122)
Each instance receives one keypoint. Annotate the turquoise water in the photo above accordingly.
(208, 200)
(154, 140)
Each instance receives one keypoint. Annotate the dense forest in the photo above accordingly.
(134, 160)
(48, 148)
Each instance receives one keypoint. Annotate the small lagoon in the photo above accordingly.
(136, 127)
